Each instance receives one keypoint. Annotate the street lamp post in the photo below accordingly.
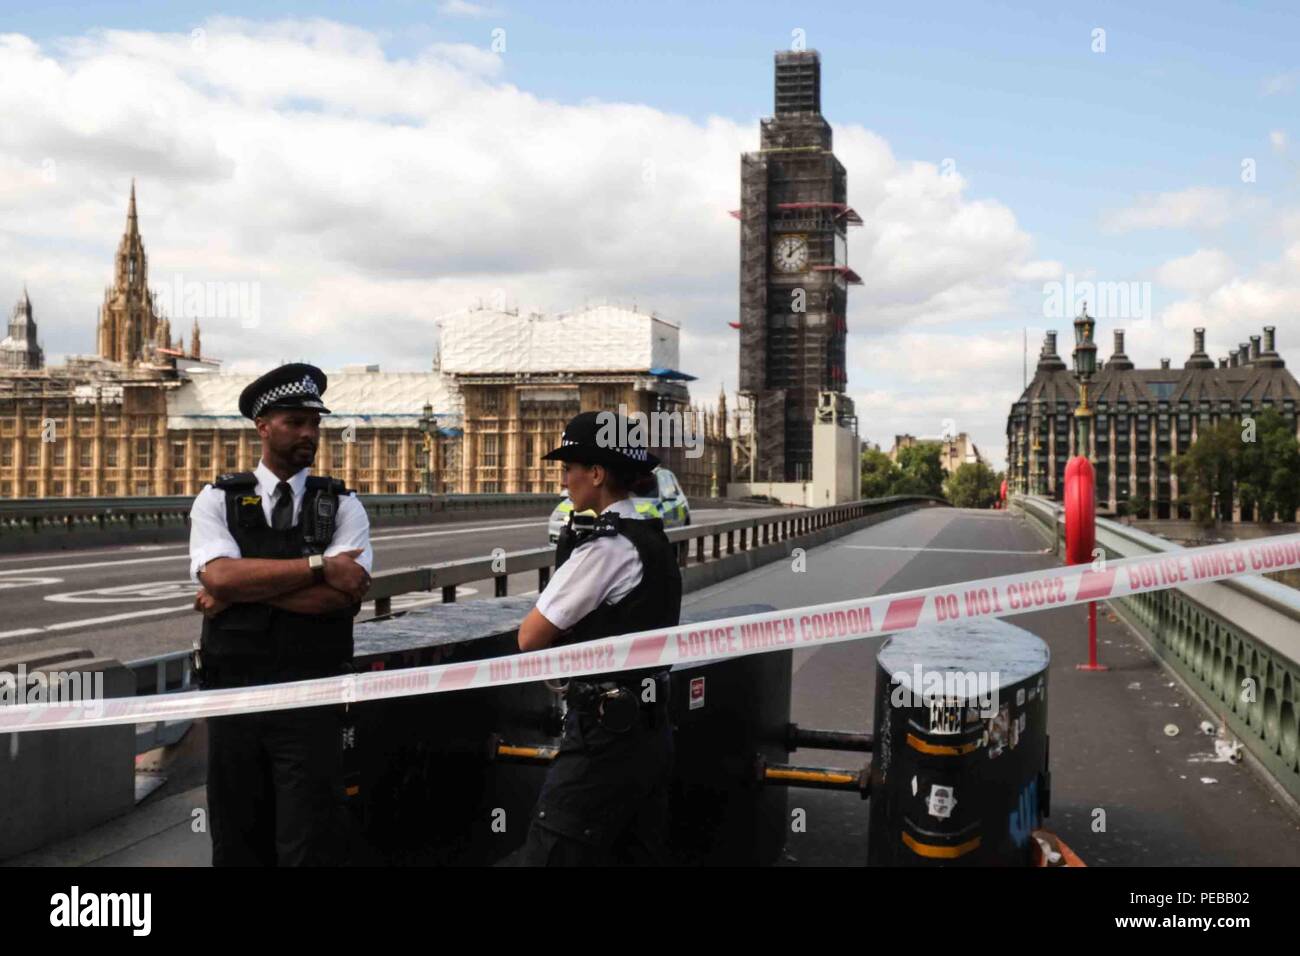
(1037, 471)
(1085, 366)
(1080, 487)
(428, 425)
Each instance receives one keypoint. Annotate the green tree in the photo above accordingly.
(972, 485)
(1208, 467)
(878, 473)
(1268, 468)
(920, 472)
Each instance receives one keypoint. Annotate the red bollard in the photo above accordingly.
(1081, 536)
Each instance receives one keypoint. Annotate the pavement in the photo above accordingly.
(1123, 793)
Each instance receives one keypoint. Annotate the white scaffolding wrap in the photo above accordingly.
(601, 339)
(380, 399)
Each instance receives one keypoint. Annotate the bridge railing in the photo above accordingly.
(696, 544)
(1235, 643)
(712, 542)
(29, 516)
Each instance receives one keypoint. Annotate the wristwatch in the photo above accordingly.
(317, 565)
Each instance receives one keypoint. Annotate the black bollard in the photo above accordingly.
(960, 774)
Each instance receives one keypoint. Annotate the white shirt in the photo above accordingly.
(602, 570)
(210, 536)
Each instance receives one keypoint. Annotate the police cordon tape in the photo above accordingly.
(805, 627)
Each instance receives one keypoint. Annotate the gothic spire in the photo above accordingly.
(129, 325)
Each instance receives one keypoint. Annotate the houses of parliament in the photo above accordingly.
(148, 415)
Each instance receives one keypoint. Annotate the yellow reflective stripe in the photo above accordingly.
(939, 852)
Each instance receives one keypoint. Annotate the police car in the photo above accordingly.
(670, 505)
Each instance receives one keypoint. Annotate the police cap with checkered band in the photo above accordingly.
(601, 438)
(297, 385)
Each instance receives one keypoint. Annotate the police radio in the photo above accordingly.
(320, 526)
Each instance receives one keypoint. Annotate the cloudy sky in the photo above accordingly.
(361, 172)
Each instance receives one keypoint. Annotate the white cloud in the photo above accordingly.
(1277, 138)
(1202, 270)
(1234, 306)
(923, 377)
(461, 8)
(1198, 206)
(1280, 83)
(367, 195)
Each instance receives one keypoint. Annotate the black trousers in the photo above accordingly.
(605, 798)
(275, 788)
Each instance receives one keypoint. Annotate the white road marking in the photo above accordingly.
(144, 591)
(891, 547)
(136, 549)
(186, 557)
(9, 583)
(96, 564)
(431, 534)
(86, 621)
(21, 631)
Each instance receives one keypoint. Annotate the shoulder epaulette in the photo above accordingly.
(326, 483)
(236, 480)
(606, 525)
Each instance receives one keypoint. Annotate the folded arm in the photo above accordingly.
(228, 578)
(248, 580)
(317, 599)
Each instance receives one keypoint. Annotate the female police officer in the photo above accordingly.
(605, 799)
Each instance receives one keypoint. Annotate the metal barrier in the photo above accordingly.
(1235, 643)
(708, 542)
(165, 674)
(30, 515)
(170, 673)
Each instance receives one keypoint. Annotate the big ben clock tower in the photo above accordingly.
(794, 273)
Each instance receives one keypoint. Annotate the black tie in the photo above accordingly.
(282, 512)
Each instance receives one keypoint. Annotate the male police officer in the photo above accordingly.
(284, 560)
(605, 799)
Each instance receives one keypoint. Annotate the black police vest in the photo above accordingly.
(655, 602)
(266, 639)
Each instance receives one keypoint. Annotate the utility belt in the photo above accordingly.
(620, 705)
(217, 671)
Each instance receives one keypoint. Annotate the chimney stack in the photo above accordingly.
(1119, 360)
(1268, 357)
(1198, 358)
(1254, 349)
(1243, 353)
(1049, 361)
(1164, 363)
(1223, 363)
(1232, 359)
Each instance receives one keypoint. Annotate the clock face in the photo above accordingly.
(790, 254)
